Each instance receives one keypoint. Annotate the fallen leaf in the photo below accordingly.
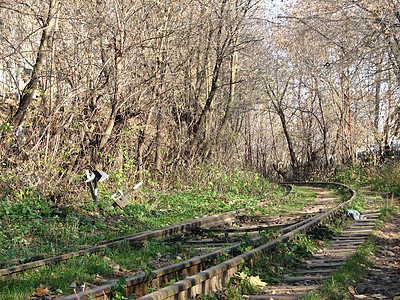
(40, 291)
(253, 280)
(351, 289)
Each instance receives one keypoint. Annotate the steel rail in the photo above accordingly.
(134, 239)
(138, 285)
(238, 230)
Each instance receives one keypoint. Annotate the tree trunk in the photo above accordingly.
(117, 89)
(141, 142)
(27, 93)
(200, 125)
(159, 139)
(276, 100)
(229, 105)
(289, 142)
(207, 107)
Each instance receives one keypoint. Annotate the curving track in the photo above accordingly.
(206, 274)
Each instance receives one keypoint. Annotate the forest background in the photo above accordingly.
(151, 90)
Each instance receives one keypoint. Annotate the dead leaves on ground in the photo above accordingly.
(42, 293)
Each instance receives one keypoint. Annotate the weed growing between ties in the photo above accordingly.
(119, 290)
(239, 285)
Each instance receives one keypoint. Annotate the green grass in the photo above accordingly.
(57, 278)
(28, 228)
(300, 197)
(78, 271)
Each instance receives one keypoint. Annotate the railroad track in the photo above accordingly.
(134, 240)
(207, 273)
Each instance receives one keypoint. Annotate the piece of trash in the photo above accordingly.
(120, 198)
(354, 214)
(84, 287)
(156, 214)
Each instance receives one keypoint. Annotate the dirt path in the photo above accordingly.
(383, 280)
